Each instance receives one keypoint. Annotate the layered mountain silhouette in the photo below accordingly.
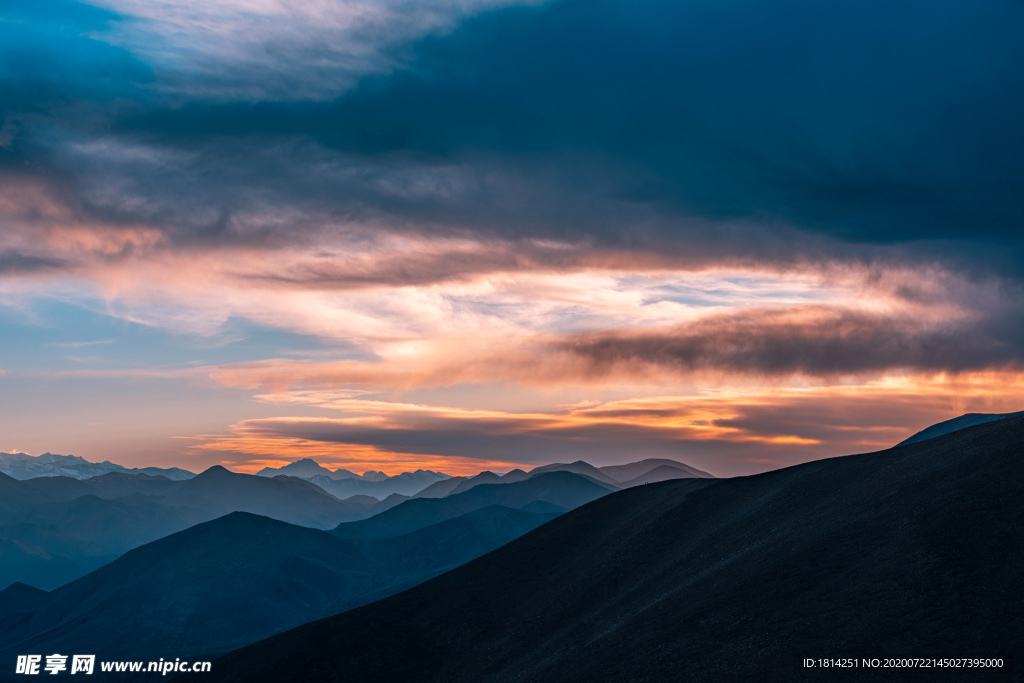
(305, 469)
(614, 476)
(462, 484)
(547, 493)
(635, 470)
(24, 466)
(909, 552)
(210, 583)
(344, 484)
(660, 473)
(241, 577)
(56, 529)
(579, 467)
(406, 484)
(439, 489)
(288, 499)
(228, 582)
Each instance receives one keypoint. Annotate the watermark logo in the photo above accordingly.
(34, 665)
(28, 664)
(55, 663)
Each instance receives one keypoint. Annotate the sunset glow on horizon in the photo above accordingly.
(502, 234)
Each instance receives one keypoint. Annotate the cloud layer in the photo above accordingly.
(728, 432)
(540, 202)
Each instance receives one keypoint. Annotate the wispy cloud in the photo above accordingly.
(80, 344)
(259, 49)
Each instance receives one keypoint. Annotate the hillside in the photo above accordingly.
(913, 551)
(957, 423)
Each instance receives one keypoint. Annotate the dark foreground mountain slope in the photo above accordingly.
(957, 423)
(913, 551)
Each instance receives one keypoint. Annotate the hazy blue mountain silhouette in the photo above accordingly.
(578, 467)
(288, 499)
(905, 552)
(110, 485)
(406, 484)
(212, 583)
(56, 529)
(48, 539)
(462, 484)
(216, 492)
(20, 598)
(386, 504)
(235, 580)
(660, 473)
(558, 490)
(307, 468)
(440, 489)
(486, 477)
(624, 473)
(367, 502)
(17, 603)
(24, 466)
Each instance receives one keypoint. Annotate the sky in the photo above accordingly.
(462, 235)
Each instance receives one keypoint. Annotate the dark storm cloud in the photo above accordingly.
(508, 440)
(812, 340)
(863, 121)
(711, 131)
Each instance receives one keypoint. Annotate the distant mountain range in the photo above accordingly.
(635, 470)
(406, 484)
(615, 476)
(426, 484)
(56, 529)
(225, 559)
(546, 493)
(910, 552)
(228, 582)
(345, 484)
(307, 468)
(24, 466)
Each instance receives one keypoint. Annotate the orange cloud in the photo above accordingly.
(725, 432)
